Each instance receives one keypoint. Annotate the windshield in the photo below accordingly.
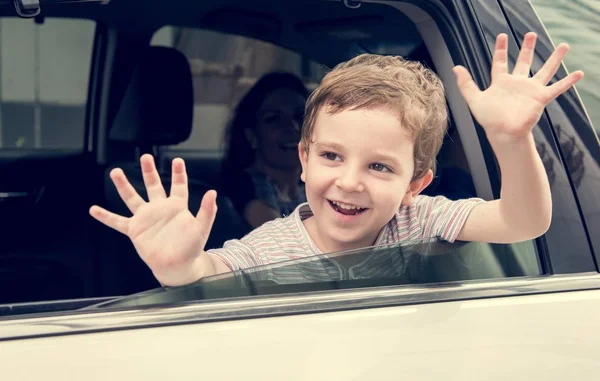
(398, 264)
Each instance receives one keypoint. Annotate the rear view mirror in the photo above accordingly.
(31, 8)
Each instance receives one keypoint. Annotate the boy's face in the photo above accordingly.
(358, 172)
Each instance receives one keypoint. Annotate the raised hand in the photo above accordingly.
(513, 104)
(168, 238)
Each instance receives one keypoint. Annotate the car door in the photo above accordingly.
(48, 175)
(534, 325)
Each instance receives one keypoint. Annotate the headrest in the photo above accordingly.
(158, 104)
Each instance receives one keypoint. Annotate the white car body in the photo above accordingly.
(549, 336)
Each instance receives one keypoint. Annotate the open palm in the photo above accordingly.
(514, 103)
(168, 238)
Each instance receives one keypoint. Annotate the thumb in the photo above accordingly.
(465, 83)
(207, 213)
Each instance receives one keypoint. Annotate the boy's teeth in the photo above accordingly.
(346, 206)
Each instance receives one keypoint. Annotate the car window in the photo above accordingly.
(224, 67)
(44, 70)
(583, 37)
(409, 263)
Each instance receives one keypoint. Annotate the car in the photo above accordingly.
(87, 86)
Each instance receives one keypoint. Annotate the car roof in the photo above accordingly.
(292, 24)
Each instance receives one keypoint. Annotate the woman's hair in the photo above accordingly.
(238, 152)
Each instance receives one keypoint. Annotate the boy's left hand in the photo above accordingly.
(513, 104)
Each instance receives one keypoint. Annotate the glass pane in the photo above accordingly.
(44, 73)
(400, 264)
(583, 36)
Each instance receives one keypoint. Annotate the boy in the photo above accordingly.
(371, 134)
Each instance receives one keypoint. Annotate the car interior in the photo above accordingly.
(144, 97)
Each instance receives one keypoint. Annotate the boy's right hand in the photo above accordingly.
(168, 238)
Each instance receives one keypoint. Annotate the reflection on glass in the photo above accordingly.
(399, 264)
(583, 36)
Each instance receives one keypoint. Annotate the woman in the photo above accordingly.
(261, 168)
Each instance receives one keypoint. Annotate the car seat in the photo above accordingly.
(157, 110)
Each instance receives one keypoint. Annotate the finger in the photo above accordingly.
(564, 84)
(525, 57)
(500, 58)
(152, 181)
(128, 194)
(110, 219)
(465, 83)
(208, 211)
(550, 67)
(179, 180)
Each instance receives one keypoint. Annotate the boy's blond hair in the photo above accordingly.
(408, 88)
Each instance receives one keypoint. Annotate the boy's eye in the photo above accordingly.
(330, 156)
(380, 167)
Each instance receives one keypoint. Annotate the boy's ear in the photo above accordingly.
(251, 137)
(303, 154)
(416, 186)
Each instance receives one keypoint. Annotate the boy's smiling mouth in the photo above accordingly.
(346, 209)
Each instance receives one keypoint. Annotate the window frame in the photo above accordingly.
(61, 324)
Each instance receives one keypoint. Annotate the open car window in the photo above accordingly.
(399, 264)
(96, 262)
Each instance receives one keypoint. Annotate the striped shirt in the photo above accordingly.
(426, 220)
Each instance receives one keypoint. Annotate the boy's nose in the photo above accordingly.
(350, 181)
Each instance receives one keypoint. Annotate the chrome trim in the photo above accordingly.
(78, 322)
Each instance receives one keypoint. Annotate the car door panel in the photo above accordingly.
(518, 338)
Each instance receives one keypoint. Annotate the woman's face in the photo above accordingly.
(279, 121)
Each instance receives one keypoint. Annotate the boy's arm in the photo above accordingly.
(508, 111)
(204, 266)
(524, 209)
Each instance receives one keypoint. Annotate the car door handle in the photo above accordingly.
(31, 196)
(9, 195)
